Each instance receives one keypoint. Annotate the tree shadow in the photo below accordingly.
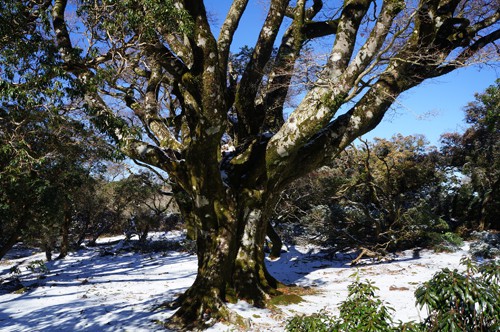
(87, 291)
(90, 292)
(77, 316)
(295, 266)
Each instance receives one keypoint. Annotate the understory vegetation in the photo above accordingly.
(455, 301)
(386, 195)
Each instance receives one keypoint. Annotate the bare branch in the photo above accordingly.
(487, 22)
(320, 29)
(227, 31)
(281, 75)
(469, 52)
(254, 71)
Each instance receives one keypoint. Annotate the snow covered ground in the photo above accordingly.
(95, 290)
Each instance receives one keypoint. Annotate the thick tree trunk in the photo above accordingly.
(204, 302)
(231, 265)
(251, 280)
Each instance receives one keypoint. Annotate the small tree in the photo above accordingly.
(388, 200)
(142, 204)
(476, 154)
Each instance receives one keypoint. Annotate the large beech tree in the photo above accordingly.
(160, 79)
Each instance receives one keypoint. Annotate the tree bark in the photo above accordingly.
(11, 241)
(275, 242)
(251, 281)
(204, 302)
(65, 234)
(231, 263)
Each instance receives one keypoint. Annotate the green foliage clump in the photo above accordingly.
(441, 241)
(38, 266)
(145, 17)
(361, 311)
(456, 301)
(462, 301)
(475, 201)
(317, 322)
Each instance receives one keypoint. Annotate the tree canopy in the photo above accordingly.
(476, 154)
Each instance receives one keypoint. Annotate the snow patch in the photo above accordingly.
(281, 150)
(201, 41)
(141, 149)
(356, 121)
(87, 291)
(336, 57)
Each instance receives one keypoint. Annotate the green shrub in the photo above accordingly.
(462, 301)
(453, 239)
(443, 242)
(456, 301)
(362, 311)
(38, 266)
(318, 322)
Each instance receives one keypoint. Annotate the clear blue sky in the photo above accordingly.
(433, 108)
(436, 106)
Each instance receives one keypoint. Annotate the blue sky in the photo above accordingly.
(436, 106)
(433, 108)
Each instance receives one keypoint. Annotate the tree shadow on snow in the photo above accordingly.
(297, 266)
(90, 292)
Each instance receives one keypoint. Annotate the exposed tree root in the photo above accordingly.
(172, 304)
(200, 313)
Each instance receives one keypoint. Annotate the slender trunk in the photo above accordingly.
(485, 221)
(65, 234)
(9, 243)
(144, 234)
(275, 241)
(48, 251)
(13, 238)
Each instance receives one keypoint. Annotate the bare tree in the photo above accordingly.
(158, 80)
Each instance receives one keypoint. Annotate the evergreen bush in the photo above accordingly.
(456, 301)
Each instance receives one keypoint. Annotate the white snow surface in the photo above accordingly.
(88, 291)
